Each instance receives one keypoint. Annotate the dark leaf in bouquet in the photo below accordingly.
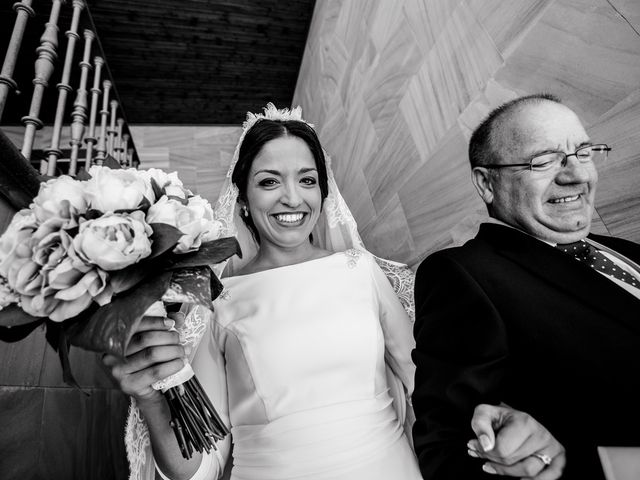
(92, 213)
(13, 315)
(111, 162)
(216, 286)
(110, 328)
(63, 353)
(14, 334)
(123, 280)
(82, 174)
(165, 237)
(158, 191)
(145, 203)
(209, 253)
(183, 201)
(192, 285)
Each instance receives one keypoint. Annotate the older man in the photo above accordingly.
(534, 312)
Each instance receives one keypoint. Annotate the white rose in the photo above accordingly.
(7, 295)
(162, 178)
(62, 197)
(110, 189)
(17, 234)
(194, 220)
(114, 241)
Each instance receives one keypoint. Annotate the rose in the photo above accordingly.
(114, 241)
(17, 235)
(50, 243)
(109, 190)
(162, 178)
(7, 295)
(61, 197)
(169, 183)
(194, 220)
(16, 264)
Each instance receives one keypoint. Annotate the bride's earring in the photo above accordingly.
(245, 211)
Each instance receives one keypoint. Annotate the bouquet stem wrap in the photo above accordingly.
(194, 420)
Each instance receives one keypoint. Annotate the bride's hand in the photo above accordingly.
(515, 444)
(153, 354)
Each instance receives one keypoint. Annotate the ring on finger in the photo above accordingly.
(544, 458)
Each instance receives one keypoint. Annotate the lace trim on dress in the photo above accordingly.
(136, 440)
(402, 280)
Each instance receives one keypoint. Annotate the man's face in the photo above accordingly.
(555, 206)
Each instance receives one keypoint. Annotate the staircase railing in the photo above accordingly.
(88, 144)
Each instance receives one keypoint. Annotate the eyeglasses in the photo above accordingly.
(552, 160)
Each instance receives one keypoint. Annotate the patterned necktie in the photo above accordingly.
(590, 255)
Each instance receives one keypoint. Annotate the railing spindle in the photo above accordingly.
(117, 149)
(124, 153)
(101, 149)
(80, 105)
(44, 66)
(23, 12)
(90, 139)
(111, 132)
(54, 153)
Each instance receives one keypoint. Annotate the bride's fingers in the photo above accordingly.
(151, 356)
(151, 338)
(155, 323)
(141, 381)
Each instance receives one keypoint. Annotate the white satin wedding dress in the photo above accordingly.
(294, 360)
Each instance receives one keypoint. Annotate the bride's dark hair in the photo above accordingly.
(262, 132)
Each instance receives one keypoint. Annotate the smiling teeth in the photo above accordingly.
(289, 217)
(565, 199)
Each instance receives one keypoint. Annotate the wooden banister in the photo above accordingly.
(80, 105)
(47, 55)
(53, 153)
(23, 12)
(90, 138)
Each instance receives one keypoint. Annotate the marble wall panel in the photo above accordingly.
(200, 154)
(434, 69)
(508, 23)
(629, 10)
(597, 66)
(618, 195)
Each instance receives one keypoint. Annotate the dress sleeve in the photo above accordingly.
(209, 365)
(398, 340)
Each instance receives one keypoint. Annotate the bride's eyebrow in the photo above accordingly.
(272, 172)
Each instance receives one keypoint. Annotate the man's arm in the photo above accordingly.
(460, 357)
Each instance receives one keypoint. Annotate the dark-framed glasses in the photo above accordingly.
(554, 160)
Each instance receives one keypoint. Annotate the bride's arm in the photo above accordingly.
(397, 328)
(154, 354)
(208, 365)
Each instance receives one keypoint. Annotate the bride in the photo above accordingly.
(306, 355)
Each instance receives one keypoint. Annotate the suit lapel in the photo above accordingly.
(564, 272)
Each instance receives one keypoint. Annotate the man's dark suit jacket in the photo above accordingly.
(508, 318)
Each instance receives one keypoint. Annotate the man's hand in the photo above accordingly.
(515, 444)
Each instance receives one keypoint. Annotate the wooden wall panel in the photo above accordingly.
(417, 76)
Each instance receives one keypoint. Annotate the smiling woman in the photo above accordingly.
(282, 200)
(307, 351)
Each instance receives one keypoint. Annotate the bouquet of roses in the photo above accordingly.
(93, 254)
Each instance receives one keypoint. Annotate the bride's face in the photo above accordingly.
(283, 194)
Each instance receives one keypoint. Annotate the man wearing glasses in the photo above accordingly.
(534, 313)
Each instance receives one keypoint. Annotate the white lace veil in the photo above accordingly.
(335, 231)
